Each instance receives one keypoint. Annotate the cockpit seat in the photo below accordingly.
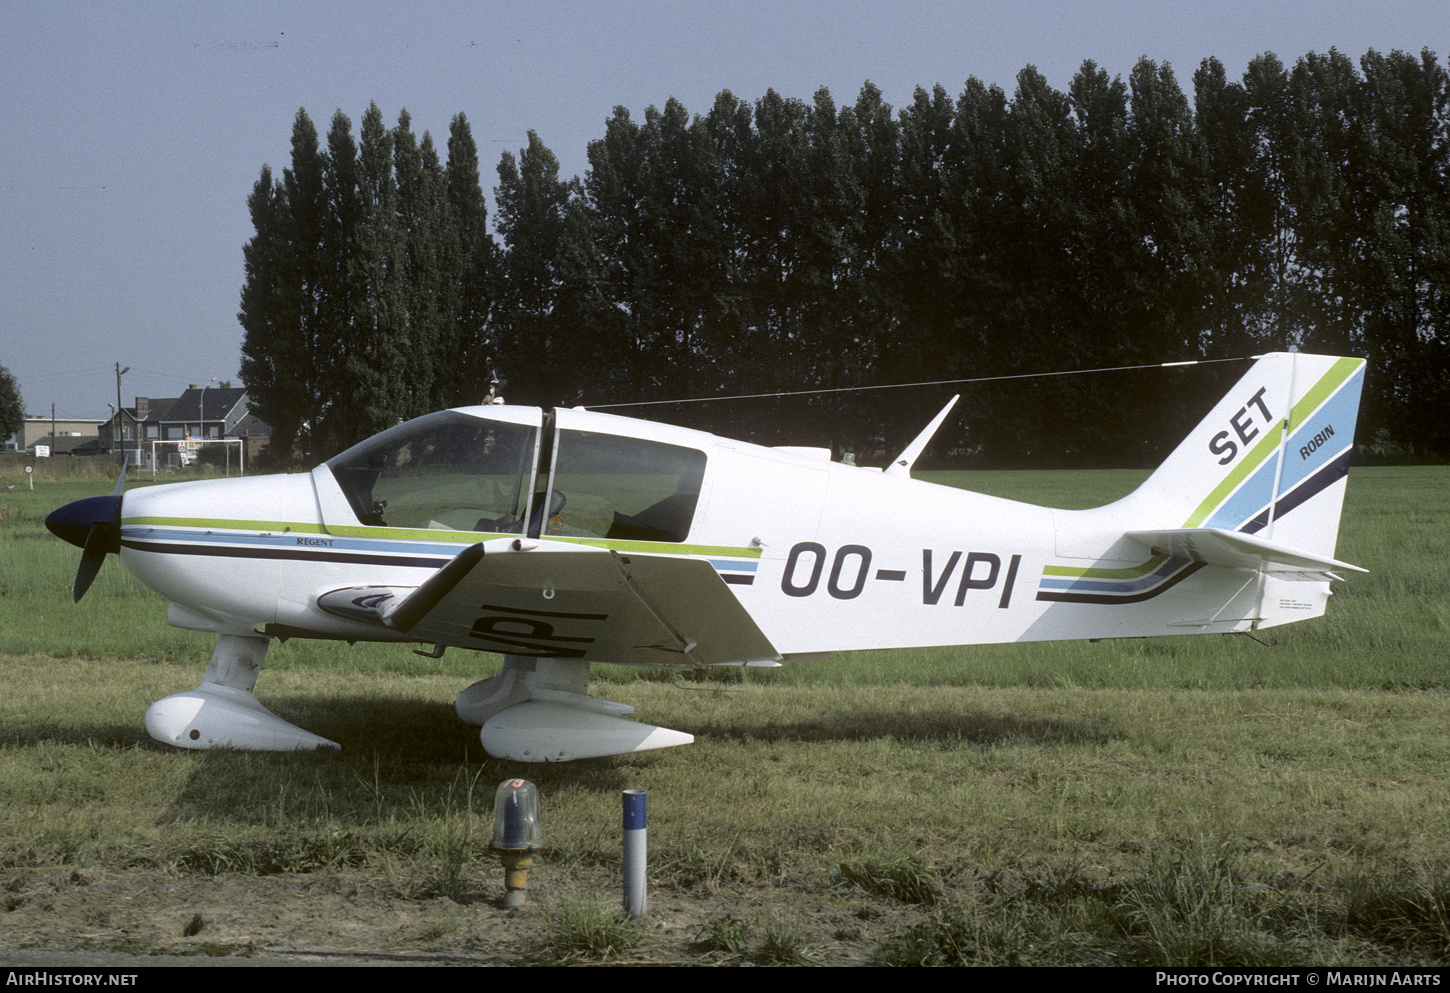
(556, 504)
(667, 520)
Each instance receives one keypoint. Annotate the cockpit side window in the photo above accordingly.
(446, 471)
(611, 486)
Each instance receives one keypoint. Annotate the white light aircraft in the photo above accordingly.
(565, 537)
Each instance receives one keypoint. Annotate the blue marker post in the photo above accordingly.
(636, 882)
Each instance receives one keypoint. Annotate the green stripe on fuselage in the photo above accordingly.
(415, 534)
(1132, 572)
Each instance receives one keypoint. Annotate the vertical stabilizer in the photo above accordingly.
(1270, 459)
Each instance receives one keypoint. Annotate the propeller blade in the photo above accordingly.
(96, 544)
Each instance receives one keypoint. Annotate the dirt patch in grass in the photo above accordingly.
(341, 919)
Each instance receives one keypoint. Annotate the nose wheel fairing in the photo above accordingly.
(222, 712)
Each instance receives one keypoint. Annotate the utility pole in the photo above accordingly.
(203, 407)
(120, 438)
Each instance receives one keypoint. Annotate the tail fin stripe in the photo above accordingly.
(1331, 381)
(1322, 479)
(1256, 457)
(1250, 498)
(1323, 435)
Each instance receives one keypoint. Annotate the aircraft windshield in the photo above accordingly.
(445, 471)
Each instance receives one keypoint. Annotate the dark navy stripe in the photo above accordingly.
(734, 580)
(1114, 587)
(634, 810)
(543, 613)
(309, 555)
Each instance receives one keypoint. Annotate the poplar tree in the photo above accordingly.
(546, 339)
(368, 283)
(1237, 220)
(1395, 267)
(281, 365)
(376, 373)
(785, 245)
(469, 263)
(421, 216)
(929, 261)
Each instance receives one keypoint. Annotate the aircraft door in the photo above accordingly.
(616, 486)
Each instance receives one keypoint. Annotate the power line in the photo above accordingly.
(935, 382)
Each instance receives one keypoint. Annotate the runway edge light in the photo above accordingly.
(516, 833)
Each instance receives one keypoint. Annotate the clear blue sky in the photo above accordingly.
(136, 130)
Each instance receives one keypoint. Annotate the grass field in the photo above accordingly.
(1175, 801)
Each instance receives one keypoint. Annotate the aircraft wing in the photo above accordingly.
(1235, 550)
(554, 600)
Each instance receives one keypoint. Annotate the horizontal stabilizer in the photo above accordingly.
(1235, 550)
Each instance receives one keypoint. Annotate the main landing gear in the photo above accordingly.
(534, 710)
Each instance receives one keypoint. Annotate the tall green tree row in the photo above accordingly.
(783, 244)
(795, 244)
